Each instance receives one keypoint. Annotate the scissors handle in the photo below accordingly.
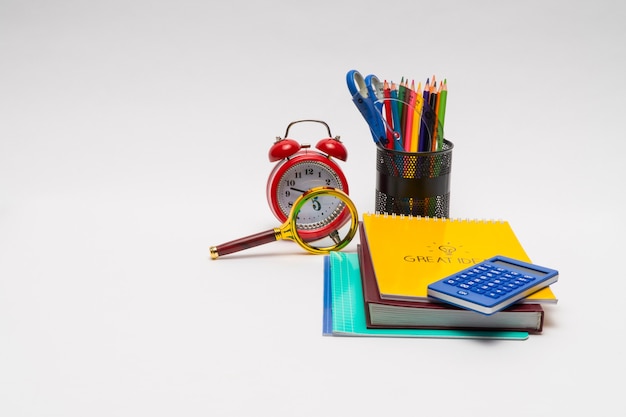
(375, 91)
(373, 119)
(245, 243)
(365, 92)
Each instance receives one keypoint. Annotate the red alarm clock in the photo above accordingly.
(301, 168)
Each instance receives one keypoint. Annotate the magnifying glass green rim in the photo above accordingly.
(289, 229)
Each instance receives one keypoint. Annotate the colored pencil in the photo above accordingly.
(433, 97)
(402, 100)
(424, 134)
(395, 111)
(388, 114)
(441, 111)
(408, 119)
(417, 117)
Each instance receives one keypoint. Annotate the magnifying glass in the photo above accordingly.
(324, 209)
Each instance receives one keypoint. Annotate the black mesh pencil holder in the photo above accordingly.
(414, 183)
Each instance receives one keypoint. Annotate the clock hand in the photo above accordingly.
(295, 189)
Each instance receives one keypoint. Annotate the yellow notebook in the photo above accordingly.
(408, 253)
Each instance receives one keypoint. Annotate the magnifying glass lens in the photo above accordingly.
(332, 217)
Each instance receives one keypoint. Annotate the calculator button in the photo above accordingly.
(461, 292)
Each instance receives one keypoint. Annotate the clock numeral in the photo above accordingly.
(328, 181)
(287, 193)
(290, 183)
(317, 206)
(307, 172)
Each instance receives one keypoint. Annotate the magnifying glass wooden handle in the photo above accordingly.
(245, 243)
(339, 211)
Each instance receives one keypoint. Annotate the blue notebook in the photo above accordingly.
(344, 310)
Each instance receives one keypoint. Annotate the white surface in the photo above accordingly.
(134, 135)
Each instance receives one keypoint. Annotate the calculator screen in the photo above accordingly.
(518, 268)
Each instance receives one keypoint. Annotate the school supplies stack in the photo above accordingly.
(344, 311)
(382, 313)
(399, 256)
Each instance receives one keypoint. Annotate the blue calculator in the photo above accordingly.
(493, 284)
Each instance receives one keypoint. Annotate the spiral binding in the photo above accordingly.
(435, 219)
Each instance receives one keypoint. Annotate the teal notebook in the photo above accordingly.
(344, 310)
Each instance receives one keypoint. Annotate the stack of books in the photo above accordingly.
(382, 289)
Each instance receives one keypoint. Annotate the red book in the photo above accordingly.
(383, 313)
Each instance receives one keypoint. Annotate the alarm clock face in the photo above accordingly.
(299, 177)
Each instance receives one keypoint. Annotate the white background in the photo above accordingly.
(134, 135)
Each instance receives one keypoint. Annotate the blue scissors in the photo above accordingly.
(367, 95)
